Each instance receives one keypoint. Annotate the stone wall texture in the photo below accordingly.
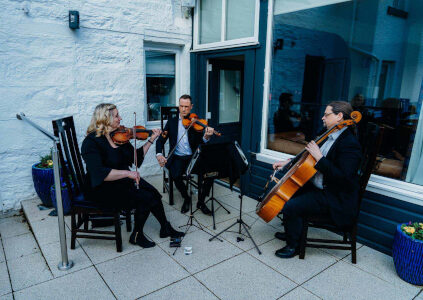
(49, 71)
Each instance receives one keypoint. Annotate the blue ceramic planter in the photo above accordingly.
(408, 257)
(65, 198)
(43, 179)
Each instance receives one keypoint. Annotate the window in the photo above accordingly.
(160, 82)
(351, 51)
(223, 23)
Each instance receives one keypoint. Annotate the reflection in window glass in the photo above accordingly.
(372, 60)
(160, 75)
(229, 96)
(240, 18)
(210, 21)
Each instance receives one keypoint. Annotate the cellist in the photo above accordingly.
(333, 190)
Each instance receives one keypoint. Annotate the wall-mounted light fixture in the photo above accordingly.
(74, 19)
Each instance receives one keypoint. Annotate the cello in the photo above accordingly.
(296, 173)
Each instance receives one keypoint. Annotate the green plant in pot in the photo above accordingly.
(43, 178)
(407, 252)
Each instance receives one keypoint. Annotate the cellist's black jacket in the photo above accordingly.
(194, 138)
(340, 178)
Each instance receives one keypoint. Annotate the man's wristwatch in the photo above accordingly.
(150, 142)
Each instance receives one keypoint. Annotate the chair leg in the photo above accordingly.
(118, 233)
(86, 218)
(73, 230)
(354, 248)
(171, 191)
(303, 239)
(128, 221)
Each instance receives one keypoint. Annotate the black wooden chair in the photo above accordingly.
(371, 142)
(83, 210)
(165, 114)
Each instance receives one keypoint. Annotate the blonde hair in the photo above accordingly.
(102, 119)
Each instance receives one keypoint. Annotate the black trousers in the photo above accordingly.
(309, 201)
(123, 194)
(177, 168)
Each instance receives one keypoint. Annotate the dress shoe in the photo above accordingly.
(204, 209)
(138, 238)
(168, 230)
(185, 206)
(287, 252)
(281, 236)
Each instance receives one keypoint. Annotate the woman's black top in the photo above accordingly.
(100, 158)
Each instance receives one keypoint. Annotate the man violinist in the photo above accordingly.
(188, 144)
(334, 189)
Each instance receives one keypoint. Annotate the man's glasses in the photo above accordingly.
(327, 114)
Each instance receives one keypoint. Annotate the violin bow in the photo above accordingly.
(180, 139)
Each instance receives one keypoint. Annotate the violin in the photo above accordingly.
(122, 135)
(199, 125)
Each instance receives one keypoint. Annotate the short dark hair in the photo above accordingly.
(342, 107)
(186, 97)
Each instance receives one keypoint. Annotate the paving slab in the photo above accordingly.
(220, 215)
(244, 277)
(344, 281)
(84, 284)
(13, 226)
(260, 231)
(5, 287)
(204, 253)
(232, 199)
(298, 270)
(28, 271)
(152, 226)
(299, 293)
(102, 250)
(7, 297)
(140, 273)
(46, 231)
(419, 296)
(2, 257)
(32, 212)
(53, 256)
(382, 266)
(20, 245)
(187, 289)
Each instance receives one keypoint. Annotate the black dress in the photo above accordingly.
(100, 158)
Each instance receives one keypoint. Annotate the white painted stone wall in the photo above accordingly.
(49, 71)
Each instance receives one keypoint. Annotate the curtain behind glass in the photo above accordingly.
(240, 20)
(210, 21)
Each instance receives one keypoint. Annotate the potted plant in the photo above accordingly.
(407, 252)
(43, 178)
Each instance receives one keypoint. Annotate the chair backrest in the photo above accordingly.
(167, 112)
(370, 142)
(69, 153)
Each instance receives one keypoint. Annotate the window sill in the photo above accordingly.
(404, 191)
(215, 46)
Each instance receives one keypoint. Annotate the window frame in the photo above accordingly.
(248, 41)
(394, 188)
(170, 49)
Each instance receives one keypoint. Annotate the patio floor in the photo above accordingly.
(30, 252)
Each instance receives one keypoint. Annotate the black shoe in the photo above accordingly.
(204, 209)
(167, 231)
(287, 252)
(185, 206)
(138, 238)
(281, 236)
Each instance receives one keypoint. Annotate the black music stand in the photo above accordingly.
(237, 159)
(209, 166)
(193, 165)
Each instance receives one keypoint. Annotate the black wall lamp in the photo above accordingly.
(74, 19)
